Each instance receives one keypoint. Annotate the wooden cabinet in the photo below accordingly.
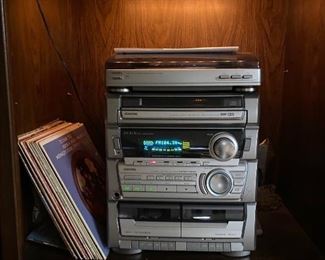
(54, 68)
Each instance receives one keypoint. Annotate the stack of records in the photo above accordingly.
(69, 175)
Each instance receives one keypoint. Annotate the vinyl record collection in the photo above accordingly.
(69, 176)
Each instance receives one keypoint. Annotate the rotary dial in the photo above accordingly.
(223, 146)
(218, 182)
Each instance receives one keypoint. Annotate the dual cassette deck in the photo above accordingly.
(181, 138)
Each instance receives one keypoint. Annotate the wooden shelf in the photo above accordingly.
(55, 69)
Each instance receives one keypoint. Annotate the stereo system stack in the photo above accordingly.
(181, 138)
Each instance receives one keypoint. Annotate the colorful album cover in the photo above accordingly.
(81, 172)
(46, 189)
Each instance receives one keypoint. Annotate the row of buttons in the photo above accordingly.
(225, 76)
(166, 163)
(211, 247)
(177, 163)
(161, 178)
(238, 182)
(159, 182)
(182, 246)
(238, 177)
(158, 188)
(168, 188)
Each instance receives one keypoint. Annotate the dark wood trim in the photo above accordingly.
(303, 127)
(10, 219)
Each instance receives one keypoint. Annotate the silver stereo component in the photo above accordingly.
(219, 145)
(182, 183)
(181, 141)
(182, 226)
(182, 77)
(183, 108)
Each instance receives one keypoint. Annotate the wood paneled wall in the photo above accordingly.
(38, 92)
(303, 122)
(39, 84)
(87, 39)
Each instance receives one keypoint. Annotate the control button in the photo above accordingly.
(169, 178)
(204, 247)
(219, 247)
(189, 178)
(193, 164)
(237, 189)
(150, 177)
(224, 77)
(151, 188)
(178, 178)
(186, 189)
(138, 188)
(247, 76)
(140, 163)
(166, 163)
(247, 144)
(163, 188)
(193, 246)
(164, 246)
(237, 247)
(156, 246)
(180, 163)
(181, 246)
(126, 188)
(159, 163)
(236, 76)
(238, 174)
(239, 181)
(172, 246)
(134, 244)
(160, 178)
(145, 245)
(116, 143)
(212, 247)
(132, 177)
(226, 247)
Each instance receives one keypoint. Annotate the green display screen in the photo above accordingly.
(165, 145)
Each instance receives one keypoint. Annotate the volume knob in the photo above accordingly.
(218, 182)
(223, 146)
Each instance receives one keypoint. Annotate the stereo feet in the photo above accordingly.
(126, 251)
(237, 253)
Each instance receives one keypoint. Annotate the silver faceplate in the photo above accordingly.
(182, 77)
(242, 238)
(176, 183)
